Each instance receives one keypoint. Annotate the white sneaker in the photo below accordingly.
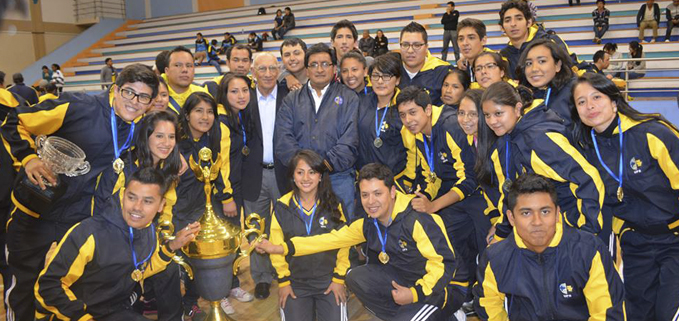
(241, 295)
(652, 40)
(667, 40)
(226, 306)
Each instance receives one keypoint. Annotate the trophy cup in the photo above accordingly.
(61, 157)
(213, 254)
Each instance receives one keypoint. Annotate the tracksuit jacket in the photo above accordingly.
(430, 77)
(559, 101)
(89, 273)
(573, 279)
(539, 144)
(177, 100)
(332, 132)
(312, 272)
(85, 121)
(417, 245)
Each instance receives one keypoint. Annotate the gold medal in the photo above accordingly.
(245, 150)
(118, 165)
(378, 142)
(432, 177)
(137, 275)
(383, 257)
(620, 194)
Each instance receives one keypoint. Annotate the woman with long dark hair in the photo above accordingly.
(637, 69)
(532, 138)
(163, 99)
(453, 87)
(310, 285)
(637, 155)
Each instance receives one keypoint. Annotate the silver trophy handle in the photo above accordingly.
(39, 143)
(83, 169)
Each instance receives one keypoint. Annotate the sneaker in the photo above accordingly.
(241, 295)
(652, 40)
(667, 40)
(194, 314)
(226, 306)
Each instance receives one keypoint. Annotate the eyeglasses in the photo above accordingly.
(416, 46)
(131, 95)
(263, 69)
(489, 66)
(323, 65)
(384, 77)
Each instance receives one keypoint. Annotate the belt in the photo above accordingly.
(267, 165)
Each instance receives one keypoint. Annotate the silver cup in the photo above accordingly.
(62, 156)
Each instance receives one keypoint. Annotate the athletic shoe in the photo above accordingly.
(226, 306)
(241, 295)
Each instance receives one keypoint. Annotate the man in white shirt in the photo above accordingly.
(648, 17)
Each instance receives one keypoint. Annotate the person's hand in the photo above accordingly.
(264, 246)
(421, 203)
(401, 294)
(339, 292)
(463, 64)
(293, 83)
(609, 76)
(184, 236)
(599, 28)
(36, 170)
(283, 294)
(230, 209)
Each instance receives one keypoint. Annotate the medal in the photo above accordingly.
(377, 142)
(507, 185)
(383, 257)
(378, 127)
(118, 165)
(620, 194)
(618, 178)
(137, 275)
(432, 177)
(245, 150)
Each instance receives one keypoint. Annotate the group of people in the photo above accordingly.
(506, 182)
(648, 16)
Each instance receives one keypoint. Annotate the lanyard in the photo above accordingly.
(242, 128)
(429, 151)
(507, 154)
(378, 126)
(549, 92)
(138, 265)
(598, 154)
(365, 89)
(175, 105)
(308, 219)
(383, 239)
(114, 132)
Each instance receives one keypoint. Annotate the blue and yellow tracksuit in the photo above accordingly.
(559, 100)
(648, 216)
(420, 257)
(539, 144)
(212, 86)
(573, 279)
(89, 274)
(9, 100)
(177, 100)
(430, 77)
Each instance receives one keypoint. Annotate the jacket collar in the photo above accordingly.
(401, 204)
(532, 31)
(432, 62)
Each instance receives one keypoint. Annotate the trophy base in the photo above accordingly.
(213, 277)
(215, 313)
(35, 199)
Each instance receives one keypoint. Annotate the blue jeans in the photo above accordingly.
(215, 63)
(635, 75)
(600, 33)
(343, 186)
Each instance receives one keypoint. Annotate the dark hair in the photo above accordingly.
(378, 171)
(328, 200)
(253, 34)
(199, 34)
(291, 42)
(175, 50)
(604, 1)
(387, 64)
(502, 93)
(51, 88)
(57, 66)
(213, 134)
(279, 11)
(2, 77)
(413, 94)
(213, 42)
(638, 50)
(170, 166)
(478, 26)
(17, 78)
(462, 77)
(222, 99)
(563, 77)
(414, 27)
(598, 55)
(227, 33)
(319, 48)
(107, 60)
(515, 4)
(288, 8)
(149, 176)
(486, 139)
(138, 73)
(499, 61)
(530, 183)
(581, 132)
(45, 67)
(354, 54)
(162, 61)
(611, 46)
(238, 47)
(451, 3)
(343, 24)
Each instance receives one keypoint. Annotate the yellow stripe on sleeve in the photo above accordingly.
(493, 300)
(434, 265)
(596, 290)
(659, 151)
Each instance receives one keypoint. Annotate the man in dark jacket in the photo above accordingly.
(648, 17)
(546, 270)
(22, 90)
(367, 44)
(288, 23)
(449, 22)
(323, 117)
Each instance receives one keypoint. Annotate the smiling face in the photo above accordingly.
(486, 71)
(266, 72)
(470, 43)
(306, 178)
(413, 58)
(141, 203)
(501, 118)
(515, 25)
(540, 67)
(452, 90)
(468, 117)
(414, 117)
(353, 73)
(131, 109)
(239, 62)
(535, 218)
(377, 199)
(293, 58)
(595, 109)
(320, 70)
(163, 99)
(238, 94)
(201, 119)
(382, 87)
(343, 42)
(162, 140)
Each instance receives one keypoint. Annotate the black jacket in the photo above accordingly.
(449, 20)
(559, 100)
(430, 77)
(25, 92)
(642, 12)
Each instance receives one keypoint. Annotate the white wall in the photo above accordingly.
(58, 11)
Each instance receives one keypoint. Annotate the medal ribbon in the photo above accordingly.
(507, 154)
(378, 126)
(598, 154)
(114, 132)
(383, 240)
(549, 91)
(138, 265)
(308, 219)
(429, 151)
(242, 128)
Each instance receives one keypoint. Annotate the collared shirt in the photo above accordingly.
(318, 99)
(267, 115)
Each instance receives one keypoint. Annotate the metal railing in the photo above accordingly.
(87, 11)
(626, 72)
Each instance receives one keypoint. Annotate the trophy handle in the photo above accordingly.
(39, 143)
(251, 222)
(83, 169)
(180, 260)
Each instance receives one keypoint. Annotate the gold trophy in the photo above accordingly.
(214, 252)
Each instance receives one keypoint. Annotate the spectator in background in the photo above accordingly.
(292, 54)
(8, 100)
(46, 73)
(201, 49)
(288, 23)
(449, 22)
(367, 44)
(648, 17)
(161, 62)
(637, 69)
(22, 90)
(672, 13)
(600, 16)
(254, 42)
(614, 67)
(213, 56)
(108, 74)
(601, 61)
(570, 2)
(277, 23)
(228, 42)
(50, 93)
(57, 77)
(381, 43)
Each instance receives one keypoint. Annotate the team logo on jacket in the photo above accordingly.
(566, 290)
(323, 222)
(384, 126)
(635, 164)
(443, 156)
(339, 100)
(403, 245)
